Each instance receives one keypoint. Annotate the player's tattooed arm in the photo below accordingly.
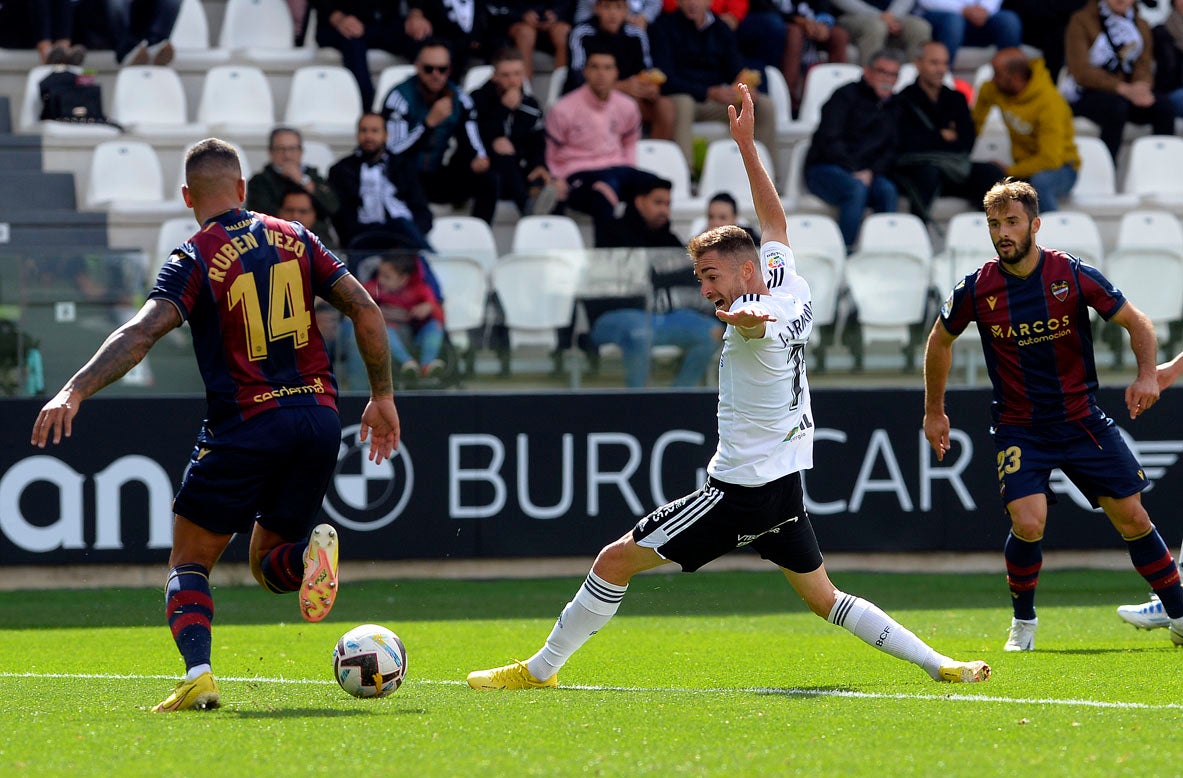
(126, 347)
(350, 298)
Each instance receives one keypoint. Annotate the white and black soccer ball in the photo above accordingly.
(369, 661)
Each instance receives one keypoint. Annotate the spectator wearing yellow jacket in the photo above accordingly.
(1039, 122)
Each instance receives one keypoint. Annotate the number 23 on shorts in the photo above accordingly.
(1009, 461)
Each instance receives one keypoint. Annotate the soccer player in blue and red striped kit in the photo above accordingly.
(1031, 305)
(246, 282)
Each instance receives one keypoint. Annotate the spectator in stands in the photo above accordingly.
(414, 322)
(854, 146)
(512, 130)
(52, 22)
(264, 191)
(297, 205)
(353, 27)
(1044, 23)
(626, 322)
(936, 136)
(381, 202)
(877, 24)
(462, 25)
(140, 30)
(1038, 121)
(1110, 81)
(700, 58)
(722, 210)
(591, 145)
(792, 40)
(641, 13)
(971, 23)
(432, 129)
(1168, 58)
(550, 19)
(609, 30)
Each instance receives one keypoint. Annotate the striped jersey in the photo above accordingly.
(1036, 335)
(765, 421)
(246, 283)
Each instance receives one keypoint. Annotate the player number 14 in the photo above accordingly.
(288, 315)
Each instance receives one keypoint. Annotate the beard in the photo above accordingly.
(1016, 252)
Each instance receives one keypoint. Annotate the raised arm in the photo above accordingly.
(379, 420)
(123, 349)
(769, 210)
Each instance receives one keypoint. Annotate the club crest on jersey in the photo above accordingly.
(1059, 290)
(776, 260)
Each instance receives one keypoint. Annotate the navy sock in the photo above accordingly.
(190, 610)
(1153, 562)
(1023, 561)
(283, 567)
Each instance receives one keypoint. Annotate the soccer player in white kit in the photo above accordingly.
(753, 494)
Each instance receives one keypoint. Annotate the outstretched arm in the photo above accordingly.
(938, 358)
(769, 210)
(121, 351)
(379, 420)
(1167, 372)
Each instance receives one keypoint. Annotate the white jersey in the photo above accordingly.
(765, 422)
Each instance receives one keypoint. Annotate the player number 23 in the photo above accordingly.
(288, 315)
(1009, 460)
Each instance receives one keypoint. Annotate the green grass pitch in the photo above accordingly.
(720, 674)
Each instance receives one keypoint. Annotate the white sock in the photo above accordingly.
(589, 610)
(196, 670)
(883, 632)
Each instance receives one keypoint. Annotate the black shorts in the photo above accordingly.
(273, 468)
(720, 517)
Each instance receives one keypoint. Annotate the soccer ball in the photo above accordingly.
(369, 661)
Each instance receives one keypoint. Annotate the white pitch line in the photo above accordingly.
(786, 692)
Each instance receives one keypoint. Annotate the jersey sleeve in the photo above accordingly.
(1098, 292)
(327, 269)
(958, 310)
(777, 263)
(179, 281)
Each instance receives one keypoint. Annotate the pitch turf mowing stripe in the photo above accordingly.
(649, 690)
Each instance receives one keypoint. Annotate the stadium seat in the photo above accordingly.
(463, 236)
(125, 177)
(173, 188)
(236, 102)
(889, 278)
(465, 285)
(821, 82)
(173, 232)
(1147, 266)
(149, 102)
(967, 247)
(319, 155)
(782, 101)
(390, 77)
(665, 158)
(537, 293)
(820, 253)
(29, 115)
(795, 196)
(1095, 191)
(261, 32)
(324, 101)
(1072, 231)
(191, 40)
(992, 146)
(554, 87)
(547, 233)
(723, 171)
(476, 77)
(1155, 171)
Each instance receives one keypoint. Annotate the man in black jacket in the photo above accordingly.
(936, 136)
(513, 133)
(353, 27)
(382, 205)
(854, 145)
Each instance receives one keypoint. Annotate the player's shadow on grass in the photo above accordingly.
(315, 713)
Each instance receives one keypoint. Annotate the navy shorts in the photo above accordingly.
(721, 517)
(272, 469)
(1090, 451)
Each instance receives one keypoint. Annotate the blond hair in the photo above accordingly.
(728, 241)
(1011, 190)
